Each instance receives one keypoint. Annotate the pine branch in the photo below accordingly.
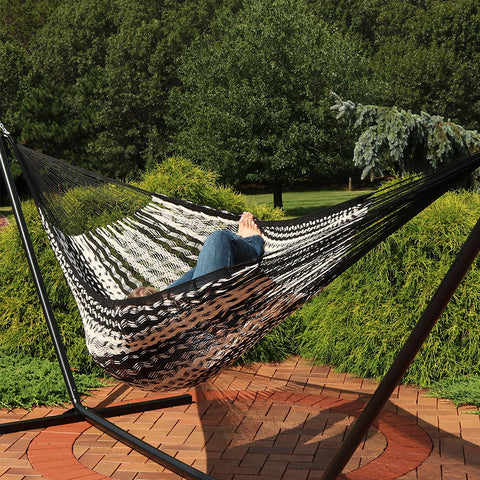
(399, 139)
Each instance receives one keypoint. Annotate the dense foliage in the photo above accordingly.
(255, 93)
(363, 318)
(181, 178)
(464, 390)
(425, 53)
(27, 382)
(23, 329)
(91, 87)
(393, 138)
(114, 85)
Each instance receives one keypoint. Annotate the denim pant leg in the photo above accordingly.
(257, 243)
(225, 249)
(186, 277)
(221, 249)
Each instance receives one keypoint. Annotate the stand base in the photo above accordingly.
(97, 418)
(74, 415)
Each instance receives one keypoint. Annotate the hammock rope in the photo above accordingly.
(111, 237)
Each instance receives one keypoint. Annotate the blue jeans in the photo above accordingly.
(223, 248)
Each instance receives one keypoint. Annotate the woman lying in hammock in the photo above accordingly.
(222, 248)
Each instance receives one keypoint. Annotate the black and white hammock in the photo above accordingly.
(110, 238)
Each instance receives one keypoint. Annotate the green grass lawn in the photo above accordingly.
(297, 204)
(6, 210)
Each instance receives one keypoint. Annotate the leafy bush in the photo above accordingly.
(180, 178)
(281, 343)
(23, 330)
(100, 206)
(26, 382)
(464, 390)
(363, 318)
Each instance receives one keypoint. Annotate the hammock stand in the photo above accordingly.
(457, 271)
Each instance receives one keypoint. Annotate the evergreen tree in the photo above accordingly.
(101, 71)
(254, 97)
(397, 139)
(22, 18)
(425, 52)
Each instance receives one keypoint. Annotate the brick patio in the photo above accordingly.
(264, 421)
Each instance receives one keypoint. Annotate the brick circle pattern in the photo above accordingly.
(270, 434)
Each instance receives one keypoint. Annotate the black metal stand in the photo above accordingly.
(427, 321)
(79, 412)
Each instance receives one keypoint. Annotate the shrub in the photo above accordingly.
(464, 390)
(23, 330)
(281, 343)
(363, 318)
(100, 206)
(181, 178)
(26, 382)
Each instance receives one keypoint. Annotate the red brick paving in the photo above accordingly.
(265, 421)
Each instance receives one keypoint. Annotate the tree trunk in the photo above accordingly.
(277, 196)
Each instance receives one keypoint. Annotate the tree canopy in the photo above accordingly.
(21, 19)
(97, 79)
(425, 53)
(240, 86)
(253, 101)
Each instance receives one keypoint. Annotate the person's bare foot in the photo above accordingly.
(247, 226)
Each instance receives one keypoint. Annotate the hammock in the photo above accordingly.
(111, 237)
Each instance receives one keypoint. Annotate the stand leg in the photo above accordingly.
(72, 415)
(427, 321)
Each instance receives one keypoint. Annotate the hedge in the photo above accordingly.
(23, 330)
(363, 318)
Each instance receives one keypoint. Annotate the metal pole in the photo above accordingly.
(74, 416)
(434, 309)
(174, 465)
(37, 277)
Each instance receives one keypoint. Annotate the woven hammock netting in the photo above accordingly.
(110, 238)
